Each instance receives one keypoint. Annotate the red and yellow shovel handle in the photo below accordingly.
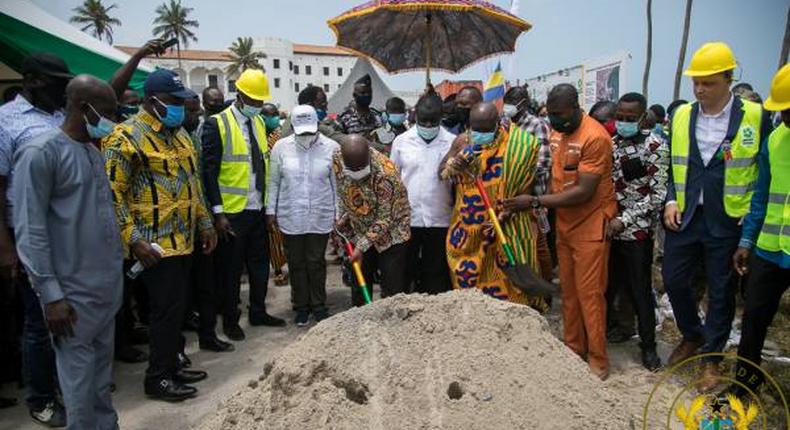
(357, 269)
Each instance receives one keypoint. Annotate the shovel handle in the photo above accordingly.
(357, 270)
(495, 221)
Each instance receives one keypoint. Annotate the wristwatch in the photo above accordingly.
(536, 202)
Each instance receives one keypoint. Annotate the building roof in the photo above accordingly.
(209, 55)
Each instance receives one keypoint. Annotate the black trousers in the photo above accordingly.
(250, 248)
(392, 265)
(124, 319)
(167, 285)
(307, 271)
(206, 294)
(767, 282)
(428, 271)
(630, 274)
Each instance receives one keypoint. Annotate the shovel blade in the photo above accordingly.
(523, 278)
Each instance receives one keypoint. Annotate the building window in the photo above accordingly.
(296, 87)
(290, 65)
(212, 81)
(326, 88)
(276, 82)
(296, 69)
(339, 71)
(339, 85)
(231, 85)
(276, 62)
(326, 71)
(308, 70)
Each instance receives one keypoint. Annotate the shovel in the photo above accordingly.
(521, 275)
(349, 247)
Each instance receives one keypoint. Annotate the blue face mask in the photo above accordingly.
(658, 129)
(174, 116)
(321, 113)
(427, 133)
(483, 138)
(102, 128)
(272, 122)
(396, 119)
(627, 129)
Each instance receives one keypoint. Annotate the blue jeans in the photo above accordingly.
(683, 252)
(38, 358)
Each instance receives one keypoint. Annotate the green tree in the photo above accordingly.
(243, 56)
(93, 15)
(172, 21)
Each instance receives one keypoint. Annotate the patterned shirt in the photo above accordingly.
(640, 170)
(20, 122)
(156, 186)
(539, 128)
(378, 206)
(353, 122)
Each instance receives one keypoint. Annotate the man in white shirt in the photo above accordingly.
(302, 206)
(418, 153)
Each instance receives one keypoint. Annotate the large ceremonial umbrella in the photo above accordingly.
(407, 35)
(27, 29)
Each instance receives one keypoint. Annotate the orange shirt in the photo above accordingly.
(587, 150)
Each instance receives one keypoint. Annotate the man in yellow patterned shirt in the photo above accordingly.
(153, 170)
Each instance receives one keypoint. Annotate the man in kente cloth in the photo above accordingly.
(505, 160)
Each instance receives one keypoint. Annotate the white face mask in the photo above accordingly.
(357, 175)
(509, 111)
(305, 140)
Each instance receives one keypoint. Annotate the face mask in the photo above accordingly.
(627, 129)
(213, 109)
(427, 133)
(305, 140)
(658, 129)
(272, 122)
(102, 128)
(363, 101)
(566, 126)
(174, 116)
(358, 175)
(396, 119)
(321, 113)
(611, 127)
(483, 138)
(128, 110)
(250, 111)
(509, 111)
(462, 115)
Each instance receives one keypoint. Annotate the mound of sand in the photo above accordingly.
(460, 360)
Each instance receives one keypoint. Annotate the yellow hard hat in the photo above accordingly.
(710, 59)
(254, 84)
(779, 99)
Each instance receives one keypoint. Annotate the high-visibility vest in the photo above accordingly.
(775, 234)
(234, 173)
(740, 166)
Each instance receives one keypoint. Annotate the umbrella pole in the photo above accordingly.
(428, 43)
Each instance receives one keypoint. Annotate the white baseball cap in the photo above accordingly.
(304, 120)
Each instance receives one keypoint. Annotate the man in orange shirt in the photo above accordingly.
(583, 196)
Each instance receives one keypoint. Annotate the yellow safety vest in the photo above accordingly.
(740, 174)
(775, 234)
(234, 173)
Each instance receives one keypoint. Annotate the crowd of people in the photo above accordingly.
(131, 216)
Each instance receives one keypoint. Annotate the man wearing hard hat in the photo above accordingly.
(766, 229)
(714, 145)
(235, 173)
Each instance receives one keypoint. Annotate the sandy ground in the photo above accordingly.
(231, 372)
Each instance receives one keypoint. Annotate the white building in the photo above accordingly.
(290, 67)
(597, 79)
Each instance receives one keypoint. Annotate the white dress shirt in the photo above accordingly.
(711, 131)
(302, 186)
(430, 198)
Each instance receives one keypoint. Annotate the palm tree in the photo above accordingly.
(786, 42)
(94, 16)
(243, 57)
(683, 44)
(649, 52)
(172, 21)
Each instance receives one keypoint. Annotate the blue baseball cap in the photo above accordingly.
(167, 82)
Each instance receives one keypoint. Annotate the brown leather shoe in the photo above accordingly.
(686, 349)
(711, 377)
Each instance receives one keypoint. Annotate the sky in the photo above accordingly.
(564, 33)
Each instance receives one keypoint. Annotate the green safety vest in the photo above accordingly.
(740, 174)
(234, 173)
(775, 234)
